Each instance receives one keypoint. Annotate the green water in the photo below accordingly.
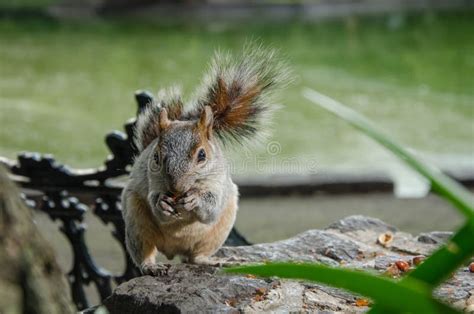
(64, 85)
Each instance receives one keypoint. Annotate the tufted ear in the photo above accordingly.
(150, 124)
(205, 121)
(163, 120)
(156, 117)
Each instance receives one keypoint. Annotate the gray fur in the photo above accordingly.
(146, 128)
(175, 147)
(179, 190)
(209, 202)
(175, 172)
(133, 244)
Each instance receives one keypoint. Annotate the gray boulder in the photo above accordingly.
(30, 279)
(351, 242)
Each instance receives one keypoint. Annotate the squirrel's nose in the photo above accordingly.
(173, 190)
(173, 185)
(175, 179)
(177, 187)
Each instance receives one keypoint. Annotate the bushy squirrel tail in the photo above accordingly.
(239, 92)
(237, 89)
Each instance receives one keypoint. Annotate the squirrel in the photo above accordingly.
(180, 199)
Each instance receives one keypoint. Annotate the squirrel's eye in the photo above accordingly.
(156, 158)
(201, 155)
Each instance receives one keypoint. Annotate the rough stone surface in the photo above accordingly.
(30, 279)
(351, 242)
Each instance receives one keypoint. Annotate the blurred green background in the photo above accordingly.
(65, 84)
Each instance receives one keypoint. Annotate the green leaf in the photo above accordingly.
(410, 296)
(461, 246)
(440, 183)
(447, 258)
(442, 262)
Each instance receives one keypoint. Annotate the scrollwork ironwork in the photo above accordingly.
(67, 194)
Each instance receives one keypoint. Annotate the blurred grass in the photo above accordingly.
(64, 85)
(26, 4)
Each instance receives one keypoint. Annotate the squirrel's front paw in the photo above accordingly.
(164, 207)
(190, 200)
(154, 269)
(167, 204)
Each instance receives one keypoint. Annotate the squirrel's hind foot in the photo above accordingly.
(156, 269)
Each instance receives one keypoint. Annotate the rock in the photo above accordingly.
(351, 242)
(435, 237)
(30, 279)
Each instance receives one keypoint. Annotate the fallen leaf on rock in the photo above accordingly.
(231, 302)
(402, 265)
(385, 239)
(362, 302)
(392, 271)
(261, 291)
(417, 260)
